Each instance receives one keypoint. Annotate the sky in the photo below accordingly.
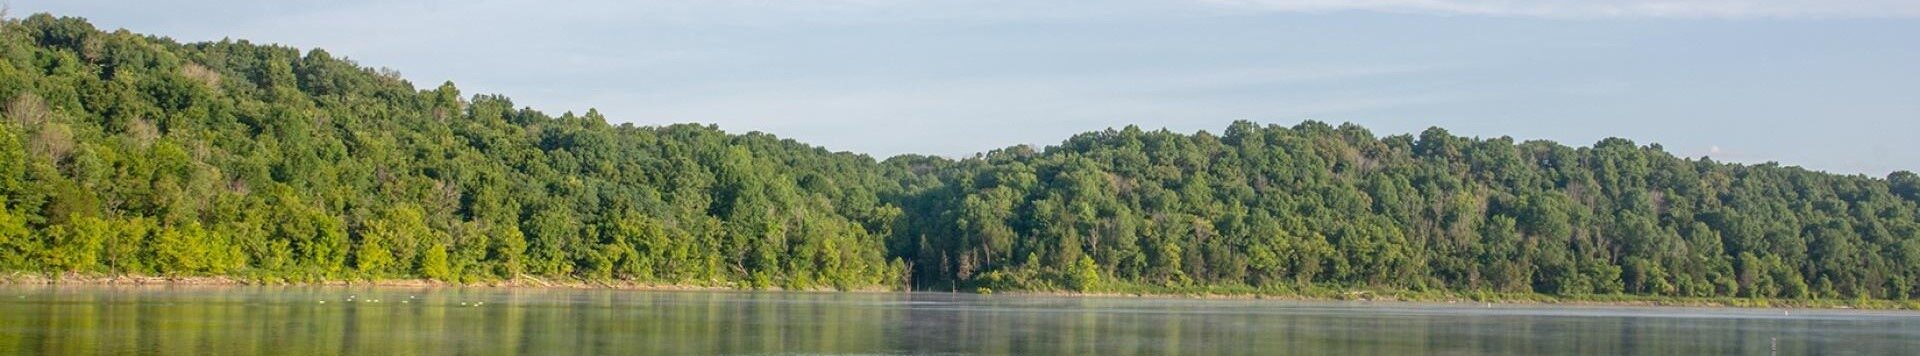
(1831, 85)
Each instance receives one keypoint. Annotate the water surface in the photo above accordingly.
(487, 321)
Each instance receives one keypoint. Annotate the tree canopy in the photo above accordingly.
(123, 153)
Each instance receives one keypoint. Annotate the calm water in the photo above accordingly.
(293, 320)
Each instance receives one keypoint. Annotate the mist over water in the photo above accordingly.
(407, 321)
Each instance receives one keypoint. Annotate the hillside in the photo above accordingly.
(130, 154)
(133, 154)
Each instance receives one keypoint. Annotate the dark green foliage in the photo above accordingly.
(1318, 205)
(128, 154)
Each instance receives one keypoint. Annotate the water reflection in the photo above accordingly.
(388, 321)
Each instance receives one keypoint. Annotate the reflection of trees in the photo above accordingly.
(291, 321)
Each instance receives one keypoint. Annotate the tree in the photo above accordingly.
(129, 154)
(433, 264)
(386, 245)
(75, 246)
(16, 242)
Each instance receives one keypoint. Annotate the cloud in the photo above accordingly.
(1602, 9)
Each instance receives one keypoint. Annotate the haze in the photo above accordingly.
(1825, 85)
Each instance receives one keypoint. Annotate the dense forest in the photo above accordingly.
(128, 154)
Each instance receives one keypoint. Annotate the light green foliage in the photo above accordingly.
(434, 264)
(75, 246)
(191, 249)
(392, 244)
(16, 241)
(1086, 275)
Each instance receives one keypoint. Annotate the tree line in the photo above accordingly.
(123, 153)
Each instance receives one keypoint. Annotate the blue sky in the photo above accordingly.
(1829, 85)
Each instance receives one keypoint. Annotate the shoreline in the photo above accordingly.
(528, 282)
(1523, 300)
(28, 279)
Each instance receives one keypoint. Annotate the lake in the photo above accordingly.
(485, 321)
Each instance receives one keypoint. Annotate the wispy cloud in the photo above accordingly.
(1601, 9)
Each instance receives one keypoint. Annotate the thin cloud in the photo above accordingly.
(1579, 9)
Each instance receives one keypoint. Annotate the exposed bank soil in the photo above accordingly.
(17, 278)
(1513, 300)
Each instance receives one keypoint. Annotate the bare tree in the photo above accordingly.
(53, 140)
(201, 74)
(142, 131)
(28, 110)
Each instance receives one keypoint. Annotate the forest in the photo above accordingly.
(130, 154)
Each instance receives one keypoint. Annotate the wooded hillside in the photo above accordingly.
(123, 153)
